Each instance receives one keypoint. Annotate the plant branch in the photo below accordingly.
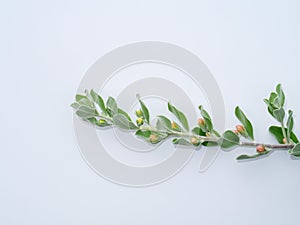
(272, 146)
(216, 139)
(201, 134)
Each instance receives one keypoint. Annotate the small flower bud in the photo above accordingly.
(207, 134)
(153, 138)
(240, 129)
(194, 140)
(101, 121)
(200, 121)
(139, 113)
(284, 141)
(174, 125)
(260, 148)
(139, 121)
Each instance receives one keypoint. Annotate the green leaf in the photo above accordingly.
(271, 108)
(279, 114)
(209, 143)
(179, 115)
(289, 125)
(85, 101)
(86, 112)
(112, 107)
(78, 97)
(246, 123)
(122, 122)
(216, 133)
(294, 138)
(99, 101)
(145, 111)
(121, 111)
(229, 139)
(272, 97)
(181, 141)
(144, 134)
(75, 105)
(163, 123)
(277, 132)
(89, 97)
(198, 131)
(280, 98)
(93, 120)
(207, 119)
(295, 151)
(241, 157)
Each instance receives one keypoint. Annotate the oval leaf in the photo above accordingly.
(295, 151)
(121, 111)
(241, 157)
(280, 98)
(163, 123)
(145, 111)
(179, 115)
(86, 112)
(181, 141)
(279, 114)
(207, 119)
(277, 132)
(112, 107)
(99, 101)
(122, 122)
(246, 123)
(229, 139)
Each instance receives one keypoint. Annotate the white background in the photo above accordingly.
(47, 46)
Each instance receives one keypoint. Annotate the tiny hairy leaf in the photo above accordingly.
(207, 119)
(179, 115)
(245, 121)
(229, 139)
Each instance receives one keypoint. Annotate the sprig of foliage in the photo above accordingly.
(91, 108)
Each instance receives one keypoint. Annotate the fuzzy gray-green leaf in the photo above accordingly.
(121, 121)
(281, 97)
(295, 151)
(99, 101)
(86, 112)
(85, 101)
(272, 97)
(75, 105)
(245, 121)
(229, 139)
(121, 111)
(207, 119)
(279, 114)
(257, 155)
(163, 123)
(198, 131)
(277, 133)
(144, 134)
(271, 108)
(78, 97)
(145, 111)
(179, 115)
(111, 106)
(181, 141)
